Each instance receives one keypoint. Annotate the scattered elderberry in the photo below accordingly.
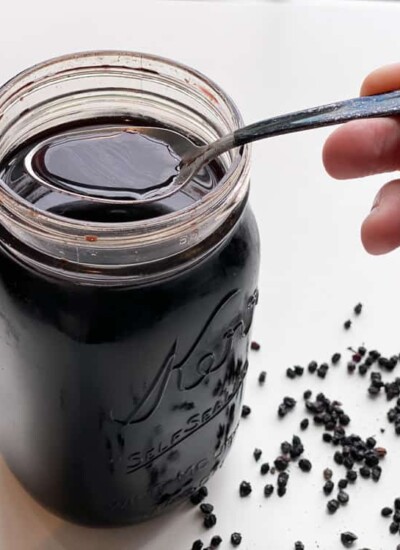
(282, 410)
(197, 545)
(281, 491)
(257, 454)
(358, 309)
(327, 473)
(344, 419)
(394, 527)
(348, 462)
(255, 346)
(289, 402)
(245, 489)
(332, 506)
(305, 465)
(281, 463)
(371, 459)
(245, 411)
(268, 490)
(298, 370)
(365, 472)
(348, 539)
(283, 479)
(298, 545)
(328, 487)
(386, 512)
(307, 394)
(397, 504)
(351, 367)
(312, 367)
(338, 458)
(376, 473)
(297, 447)
(209, 521)
(335, 358)
(236, 539)
(351, 475)
(264, 468)
(286, 447)
(362, 369)
(347, 324)
(343, 497)
(262, 377)
(322, 370)
(304, 424)
(199, 495)
(287, 405)
(216, 541)
(381, 452)
(343, 483)
(206, 508)
(290, 373)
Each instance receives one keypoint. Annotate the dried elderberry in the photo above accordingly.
(257, 454)
(386, 512)
(199, 495)
(206, 508)
(305, 465)
(209, 521)
(245, 489)
(262, 377)
(332, 506)
(268, 490)
(216, 541)
(348, 539)
(236, 539)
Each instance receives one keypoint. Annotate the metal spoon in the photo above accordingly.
(194, 157)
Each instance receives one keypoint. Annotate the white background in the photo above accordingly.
(272, 58)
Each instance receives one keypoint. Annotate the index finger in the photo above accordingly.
(365, 147)
(384, 79)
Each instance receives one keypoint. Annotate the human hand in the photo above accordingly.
(365, 147)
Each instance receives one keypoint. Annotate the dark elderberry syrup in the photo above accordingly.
(121, 399)
(107, 160)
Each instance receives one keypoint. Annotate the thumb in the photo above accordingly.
(380, 232)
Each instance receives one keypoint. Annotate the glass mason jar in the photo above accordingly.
(124, 345)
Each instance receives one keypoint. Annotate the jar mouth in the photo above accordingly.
(40, 96)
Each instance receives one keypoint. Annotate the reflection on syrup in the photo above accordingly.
(106, 162)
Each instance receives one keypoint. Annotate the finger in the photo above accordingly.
(384, 79)
(380, 232)
(362, 148)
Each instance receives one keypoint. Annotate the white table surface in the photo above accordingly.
(313, 266)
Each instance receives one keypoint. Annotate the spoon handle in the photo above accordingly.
(381, 105)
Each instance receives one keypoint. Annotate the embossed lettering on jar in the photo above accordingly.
(125, 330)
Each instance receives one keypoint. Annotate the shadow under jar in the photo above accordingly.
(124, 330)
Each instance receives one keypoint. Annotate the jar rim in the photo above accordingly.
(37, 227)
(237, 157)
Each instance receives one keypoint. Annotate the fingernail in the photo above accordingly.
(376, 202)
